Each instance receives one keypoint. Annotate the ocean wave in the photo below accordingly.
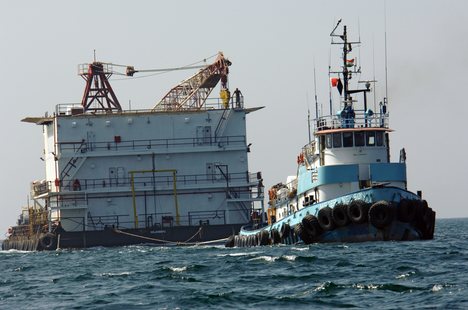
(238, 254)
(265, 258)
(178, 269)
(115, 274)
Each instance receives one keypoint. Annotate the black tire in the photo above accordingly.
(325, 219)
(358, 211)
(258, 238)
(311, 224)
(264, 240)
(285, 231)
(427, 221)
(275, 236)
(302, 232)
(407, 210)
(252, 240)
(381, 214)
(229, 242)
(340, 215)
(48, 242)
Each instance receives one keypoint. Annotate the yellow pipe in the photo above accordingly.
(134, 199)
(175, 197)
(174, 171)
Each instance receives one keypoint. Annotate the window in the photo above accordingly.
(359, 138)
(379, 138)
(347, 139)
(370, 138)
(337, 139)
(328, 141)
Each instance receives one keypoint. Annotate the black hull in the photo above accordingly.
(182, 235)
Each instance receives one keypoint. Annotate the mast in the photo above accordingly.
(345, 64)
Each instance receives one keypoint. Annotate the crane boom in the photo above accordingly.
(191, 94)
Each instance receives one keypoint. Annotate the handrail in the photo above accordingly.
(361, 120)
(145, 181)
(148, 144)
(64, 109)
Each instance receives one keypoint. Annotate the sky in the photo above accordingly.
(274, 47)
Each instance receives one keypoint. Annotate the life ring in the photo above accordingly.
(407, 210)
(48, 241)
(10, 230)
(381, 214)
(325, 219)
(230, 242)
(358, 211)
(340, 215)
(310, 223)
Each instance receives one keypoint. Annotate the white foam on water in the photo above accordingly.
(300, 249)
(178, 269)
(238, 254)
(265, 258)
(437, 288)
(116, 274)
(14, 251)
(290, 257)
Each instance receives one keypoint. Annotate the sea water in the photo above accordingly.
(384, 275)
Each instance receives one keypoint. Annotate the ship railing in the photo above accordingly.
(40, 187)
(155, 221)
(104, 222)
(149, 144)
(215, 103)
(21, 230)
(245, 194)
(159, 181)
(361, 120)
(285, 191)
(76, 200)
(200, 218)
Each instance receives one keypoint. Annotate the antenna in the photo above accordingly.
(315, 94)
(373, 71)
(308, 116)
(332, 34)
(329, 84)
(386, 67)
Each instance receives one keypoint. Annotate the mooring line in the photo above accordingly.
(172, 242)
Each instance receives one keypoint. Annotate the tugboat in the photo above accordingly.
(346, 188)
(176, 173)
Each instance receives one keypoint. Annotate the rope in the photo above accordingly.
(160, 71)
(185, 243)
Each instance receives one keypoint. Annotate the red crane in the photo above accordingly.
(191, 94)
(98, 94)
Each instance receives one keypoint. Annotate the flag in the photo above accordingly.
(350, 62)
(334, 81)
(339, 86)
